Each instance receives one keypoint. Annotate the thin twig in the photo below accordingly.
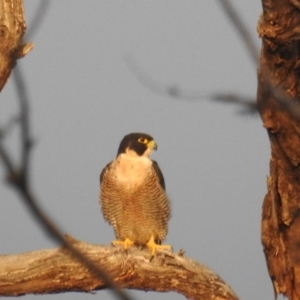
(25, 135)
(174, 91)
(241, 28)
(18, 178)
(249, 104)
(283, 99)
(56, 234)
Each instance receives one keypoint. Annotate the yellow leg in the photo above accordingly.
(154, 247)
(126, 243)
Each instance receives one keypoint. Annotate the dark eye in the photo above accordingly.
(142, 141)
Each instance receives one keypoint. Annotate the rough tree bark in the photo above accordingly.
(54, 271)
(278, 78)
(12, 29)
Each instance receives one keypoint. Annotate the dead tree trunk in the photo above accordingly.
(278, 97)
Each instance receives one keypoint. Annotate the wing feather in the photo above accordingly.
(159, 174)
(104, 170)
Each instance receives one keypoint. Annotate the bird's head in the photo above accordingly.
(139, 144)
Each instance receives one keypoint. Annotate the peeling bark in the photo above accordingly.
(54, 271)
(279, 72)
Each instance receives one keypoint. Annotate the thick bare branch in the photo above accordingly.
(52, 230)
(34, 272)
(12, 29)
(18, 177)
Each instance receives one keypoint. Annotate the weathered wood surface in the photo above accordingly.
(12, 29)
(54, 271)
(278, 87)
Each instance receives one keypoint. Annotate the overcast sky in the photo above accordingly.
(84, 99)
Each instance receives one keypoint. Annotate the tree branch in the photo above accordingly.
(34, 272)
(12, 27)
(25, 133)
(176, 92)
(18, 178)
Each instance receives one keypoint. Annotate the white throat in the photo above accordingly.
(132, 169)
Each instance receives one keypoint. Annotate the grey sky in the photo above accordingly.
(84, 99)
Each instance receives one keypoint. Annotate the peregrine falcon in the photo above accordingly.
(132, 195)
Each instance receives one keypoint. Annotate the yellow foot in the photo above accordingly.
(154, 247)
(126, 244)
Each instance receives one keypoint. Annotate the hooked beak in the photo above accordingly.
(152, 145)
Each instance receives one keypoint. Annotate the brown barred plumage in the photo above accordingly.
(132, 196)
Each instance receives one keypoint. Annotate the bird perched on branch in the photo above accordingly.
(132, 195)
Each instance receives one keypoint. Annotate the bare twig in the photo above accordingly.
(18, 178)
(178, 93)
(241, 28)
(18, 175)
(174, 91)
(249, 105)
(283, 99)
(55, 233)
(25, 135)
